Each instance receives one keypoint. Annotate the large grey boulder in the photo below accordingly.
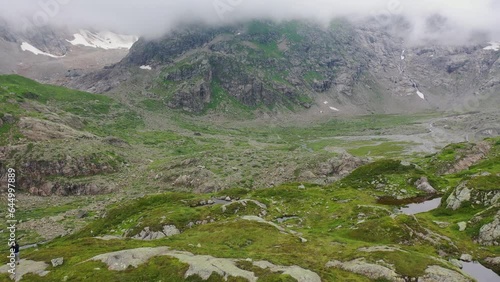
(460, 195)
(466, 257)
(436, 273)
(57, 262)
(170, 230)
(423, 185)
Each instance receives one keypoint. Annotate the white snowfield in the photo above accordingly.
(105, 40)
(334, 109)
(25, 46)
(421, 95)
(146, 67)
(495, 46)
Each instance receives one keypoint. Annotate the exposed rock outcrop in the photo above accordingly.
(489, 234)
(423, 185)
(69, 189)
(300, 274)
(39, 130)
(26, 267)
(466, 194)
(460, 195)
(467, 157)
(147, 234)
(370, 270)
(57, 262)
(436, 273)
(50, 177)
(201, 265)
(373, 271)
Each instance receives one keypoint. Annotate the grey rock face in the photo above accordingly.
(268, 68)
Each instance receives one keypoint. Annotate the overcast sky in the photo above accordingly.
(155, 17)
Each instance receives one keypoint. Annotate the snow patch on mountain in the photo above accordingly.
(25, 46)
(421, 95)
(334, 109)
(105, 40)
(145, 68)
(495, 46)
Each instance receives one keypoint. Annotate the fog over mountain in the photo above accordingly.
(452, 21)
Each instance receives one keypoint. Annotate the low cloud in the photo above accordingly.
(453, 20)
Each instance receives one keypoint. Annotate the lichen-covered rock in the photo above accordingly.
(170, 230)
(299, 273)
(370, 270)
(436, 273)
(147, 234)
(57, 262)
(489, 234)
(423, 185)
(458, 196)
(464, 193)
(495, 261)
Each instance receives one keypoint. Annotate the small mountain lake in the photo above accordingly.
(480, 272)
(412, 205)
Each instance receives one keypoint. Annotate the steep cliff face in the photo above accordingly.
(362, 67)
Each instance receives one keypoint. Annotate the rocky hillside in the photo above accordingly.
(341, 68)
(49, 135)
(57, 54)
